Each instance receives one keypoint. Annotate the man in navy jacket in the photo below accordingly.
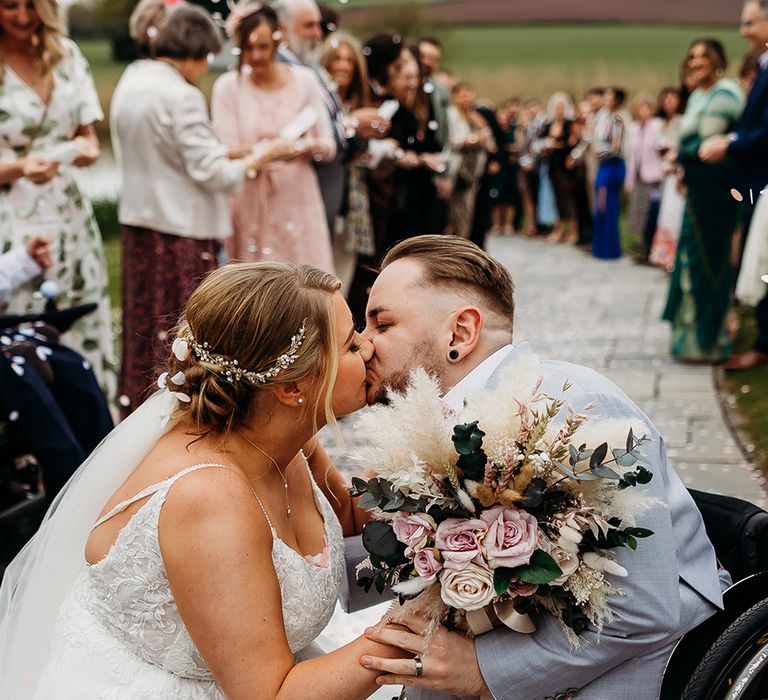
(748, 148)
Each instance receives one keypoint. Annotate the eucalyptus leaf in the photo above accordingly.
(630, 440)
(643, 475)
(605, 472)
(359, 486)
(374, 488)
(564, 469)
(624, 459)
(368, 501)
(574, 455)
(598, 455)
(379, 539)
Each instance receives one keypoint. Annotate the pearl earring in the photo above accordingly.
(300, 400)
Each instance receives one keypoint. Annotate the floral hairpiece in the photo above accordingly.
(230, 368)
(238, 11)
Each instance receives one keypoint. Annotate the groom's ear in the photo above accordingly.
(467, 325)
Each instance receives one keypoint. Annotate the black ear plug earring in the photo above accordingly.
(453, 355)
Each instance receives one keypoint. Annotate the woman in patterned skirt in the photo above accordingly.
(176, 178)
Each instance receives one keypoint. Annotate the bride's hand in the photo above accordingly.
(449, 660)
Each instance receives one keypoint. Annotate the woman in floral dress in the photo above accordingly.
(48, 105)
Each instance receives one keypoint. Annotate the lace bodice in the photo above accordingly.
(128, 590)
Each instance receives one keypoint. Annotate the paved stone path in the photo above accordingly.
(606, 315)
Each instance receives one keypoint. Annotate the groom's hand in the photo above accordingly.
(449, 660)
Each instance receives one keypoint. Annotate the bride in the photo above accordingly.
(194, 555)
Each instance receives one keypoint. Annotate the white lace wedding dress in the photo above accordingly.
(119, 633)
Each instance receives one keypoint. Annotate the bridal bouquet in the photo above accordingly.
(500, 511)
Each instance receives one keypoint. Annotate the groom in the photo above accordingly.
(442, 303)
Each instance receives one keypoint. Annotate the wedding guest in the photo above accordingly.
(700, 286)
(554, 148)
(301, 46)
(490, 181)
(532, 117)
(749, 70)
(50, 105)
(143, 22)
(383, 58)
(608, 144)
(430, 55)
(470, 140)
(279, 214)
(747, 147)
(596, 99)
(644, 172)
(176, 175)
(419, 157)
(670, 219)
(576, 163)
(508, 212)
(344, 61)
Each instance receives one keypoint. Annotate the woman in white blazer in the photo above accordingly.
(176, 178)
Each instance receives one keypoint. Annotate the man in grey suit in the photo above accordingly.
(441, 303)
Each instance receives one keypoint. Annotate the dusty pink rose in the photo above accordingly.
(413, 529)
(511, 537)
(426, 564)
(521, 588)
(458, 541)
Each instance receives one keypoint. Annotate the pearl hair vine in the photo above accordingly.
(230, 368)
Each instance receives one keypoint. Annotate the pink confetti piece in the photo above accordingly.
(736, 195)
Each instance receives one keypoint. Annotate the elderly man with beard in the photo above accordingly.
(441, 303)
(301, 26)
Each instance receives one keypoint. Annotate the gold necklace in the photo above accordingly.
(288, 510)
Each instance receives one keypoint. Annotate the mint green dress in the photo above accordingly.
(700, 285)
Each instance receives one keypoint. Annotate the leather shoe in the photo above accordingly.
(745, 360)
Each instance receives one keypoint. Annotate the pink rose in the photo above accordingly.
(413, 529)
(457, 540)
(521, 588)
(426, 564)
(511, 537)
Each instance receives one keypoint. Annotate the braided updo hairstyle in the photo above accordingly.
(249, 312)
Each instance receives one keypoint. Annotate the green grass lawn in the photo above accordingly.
(750, 388)
(532, 60)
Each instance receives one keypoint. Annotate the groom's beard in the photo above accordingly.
(425, 356)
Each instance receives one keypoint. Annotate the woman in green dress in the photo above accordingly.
(700, 285)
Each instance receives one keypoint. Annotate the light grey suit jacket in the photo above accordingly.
(673, 583)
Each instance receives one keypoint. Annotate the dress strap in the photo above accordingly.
(152, 489)
(264, 510)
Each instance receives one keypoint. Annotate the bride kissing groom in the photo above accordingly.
(199, 551)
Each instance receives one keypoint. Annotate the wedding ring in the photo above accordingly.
(419, 666)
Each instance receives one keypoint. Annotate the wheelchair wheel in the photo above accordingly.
(726, 665)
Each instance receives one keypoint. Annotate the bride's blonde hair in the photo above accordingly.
(250, 313)
(48, 45)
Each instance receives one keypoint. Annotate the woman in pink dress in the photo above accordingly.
(279, 214)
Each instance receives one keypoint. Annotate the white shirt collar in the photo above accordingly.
(477, 378)
(763, 60)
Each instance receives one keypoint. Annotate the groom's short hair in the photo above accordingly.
(460, 265)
